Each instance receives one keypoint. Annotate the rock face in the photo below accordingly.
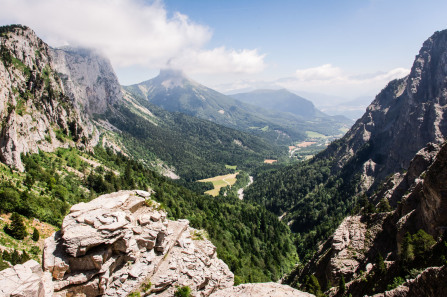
(261, 289)
(88, 77)
(349, 251)
(425, 207)
(430, 283)
(117, 244)
(421, 195)
(33, 104)
(403, 118)
(25, 280)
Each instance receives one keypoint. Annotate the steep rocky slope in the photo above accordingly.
(35, 111)
(406, 115)
(353, 250)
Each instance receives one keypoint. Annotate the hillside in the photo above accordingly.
(87, 106)
(35, 112)
(173, 91)
(193, 148)
(281, 100)
(400, 251)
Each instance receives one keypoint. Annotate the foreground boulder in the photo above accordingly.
(121, 243)
(25, 280)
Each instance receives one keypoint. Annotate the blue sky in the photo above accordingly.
(343, 48)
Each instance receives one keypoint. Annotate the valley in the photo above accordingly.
(259, 186)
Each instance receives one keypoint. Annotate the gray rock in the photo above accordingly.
(261, 289)
(112, 245)
(28, 111)
(26, 280)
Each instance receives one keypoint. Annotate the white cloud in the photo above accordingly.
(129, 32)
(220, 60)
(325, 79)
(333, 80)
(320, 73)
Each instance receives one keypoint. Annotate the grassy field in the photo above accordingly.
(312, 134)
(233, 167)
(9, 243)
(219, 182)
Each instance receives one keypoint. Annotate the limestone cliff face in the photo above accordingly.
(35, 111)
(88, 78)
(406, 115)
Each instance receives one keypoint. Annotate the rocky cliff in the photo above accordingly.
(354, 248)
(35, 111)
(406, 115)
(88, 78)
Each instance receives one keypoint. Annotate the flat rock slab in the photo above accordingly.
(261, 289)
(26, 279)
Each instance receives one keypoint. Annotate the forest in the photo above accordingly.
(256, 246)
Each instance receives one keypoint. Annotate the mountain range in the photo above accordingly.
(367, 213)
(174, 92)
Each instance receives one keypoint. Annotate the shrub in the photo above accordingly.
(36, 235)
(184, 291)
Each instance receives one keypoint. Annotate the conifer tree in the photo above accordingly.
(36, 235)
(16, 229)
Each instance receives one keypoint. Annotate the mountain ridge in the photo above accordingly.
(173, 91)
(281, 100)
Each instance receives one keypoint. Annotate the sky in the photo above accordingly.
(345, 49)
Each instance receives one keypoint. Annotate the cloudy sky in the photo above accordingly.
(344, 48)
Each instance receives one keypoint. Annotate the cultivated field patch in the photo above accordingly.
(219, 182)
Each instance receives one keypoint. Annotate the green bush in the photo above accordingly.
(184, 291)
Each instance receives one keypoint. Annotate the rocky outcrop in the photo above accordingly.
(261, 289)
(399, 184)
(34, 110)
(26, 280)
(406, 115)
(122, 242)
(349, 251)
(430, 283)
(421, 196)
(425, 207)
